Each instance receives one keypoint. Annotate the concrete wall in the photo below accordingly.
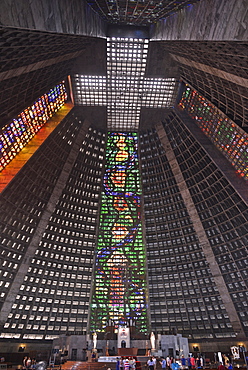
(206, 20)
(178, 343)
(72, 17)
(75, 345)
(11, 351)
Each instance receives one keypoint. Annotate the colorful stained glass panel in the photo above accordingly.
(15, 135)
(228, 137)
(120, 288)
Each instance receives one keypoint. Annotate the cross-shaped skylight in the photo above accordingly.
(125, 89)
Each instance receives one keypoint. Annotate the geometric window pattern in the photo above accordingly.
(134, 12)
(90, 90)
(15, 135)
(54, 296)
(125, 90)
(230, 139)
(224, 216)
(126, 63)
(120, 289)
(183, 294)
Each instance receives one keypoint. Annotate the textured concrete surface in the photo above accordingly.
(72, 17)
(206, 20)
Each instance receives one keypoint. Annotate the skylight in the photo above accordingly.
(125, 89)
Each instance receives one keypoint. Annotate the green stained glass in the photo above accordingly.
(120, 250)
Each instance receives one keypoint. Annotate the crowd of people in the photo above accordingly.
(28, 363)
(126, 363)
(170, 363)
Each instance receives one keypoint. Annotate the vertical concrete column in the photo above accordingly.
(206, 247)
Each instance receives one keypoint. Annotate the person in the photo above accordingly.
(126, 363)
(163, 363)
(93, 356)
(134, 364)
(229, 366)
(121, 364)
(221, 366)
(199, 362)
(189, 362)
(24, 363)
(131, 363)
(192, 361)
(168, 362)
(117, 363)
(33, 365)
(175, 365)
(183, 362)
(226, 360)
(28, 363)
(155, 362)
(150, 363)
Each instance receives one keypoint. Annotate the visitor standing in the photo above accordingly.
(192, 361)
(221, 366)
(126, 363)
(168, 362)
(155, 362)
(24, 363)
(183, 362)
(175, 365)
(150, 364)
(121, 364)
(163, 363)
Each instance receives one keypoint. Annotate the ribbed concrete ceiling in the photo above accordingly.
(141, 12)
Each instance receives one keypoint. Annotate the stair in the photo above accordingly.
(77, 365)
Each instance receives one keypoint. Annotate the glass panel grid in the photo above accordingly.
(228, 137)
(125, 90)
(54, 295)
(223, 215)
(178, 269)
(89, 90)
(158, 92)
(126, 62)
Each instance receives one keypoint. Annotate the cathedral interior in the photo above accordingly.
(132, 208)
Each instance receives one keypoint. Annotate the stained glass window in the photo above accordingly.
(15, 135)
(120, 288)
(228, 137)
